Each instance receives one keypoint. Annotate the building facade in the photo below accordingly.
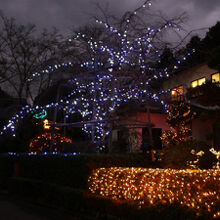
(206, 126)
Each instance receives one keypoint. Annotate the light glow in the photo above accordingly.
(196, 189)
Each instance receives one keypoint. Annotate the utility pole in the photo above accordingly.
(150, 132)
(54, 119)
(110, 139)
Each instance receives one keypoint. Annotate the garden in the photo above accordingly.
(76, 143)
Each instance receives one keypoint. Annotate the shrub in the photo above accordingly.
(6, 170)
(179, 157)
(196, 189)
(80, 203)
(70, 171)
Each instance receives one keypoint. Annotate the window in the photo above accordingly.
(198, 82)
(216, 78)
(195, 83)
(177, 93)
(201, 81)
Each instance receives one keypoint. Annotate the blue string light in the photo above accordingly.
(95, 98)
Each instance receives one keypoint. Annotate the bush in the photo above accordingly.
(80, 203)
(6, 170)
(178, 157)
(70, 171)
(45, 193)
(197, 189)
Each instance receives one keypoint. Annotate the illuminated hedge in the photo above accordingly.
(197, 189)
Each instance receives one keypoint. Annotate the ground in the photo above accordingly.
(14, 209)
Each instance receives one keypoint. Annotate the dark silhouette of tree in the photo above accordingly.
(206, 49)
(212, 38)
(197, 46)
(166, 59)
(214, 59)
(22, 53)
(212, 46)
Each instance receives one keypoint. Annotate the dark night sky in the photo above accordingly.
(64, 14)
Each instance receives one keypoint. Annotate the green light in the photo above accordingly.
(40, 115)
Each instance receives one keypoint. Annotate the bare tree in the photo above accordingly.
(24, 52)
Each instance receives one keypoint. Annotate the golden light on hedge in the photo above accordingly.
(197, 189)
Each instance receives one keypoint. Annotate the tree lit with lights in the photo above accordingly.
(117, 66)
(180, 115)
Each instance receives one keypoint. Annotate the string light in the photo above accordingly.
(40, 115)
(96, 97)
(42, 154)
(196, 189)
(42, 142)
(217, 154)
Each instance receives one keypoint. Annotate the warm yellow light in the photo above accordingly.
(194, 83)
(216, 78)
(201, 81)
(180, 90)
(173, 92)
(46, 124)
(197, 189)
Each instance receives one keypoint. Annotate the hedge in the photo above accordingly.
(72, 171)
(197, 189)
(80, 202)
(6, 170)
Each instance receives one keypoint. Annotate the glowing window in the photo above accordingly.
(216, 78)
(195, 83)
(180, 90)
(198, 82)
(201, 81)
(177, 93)
(173, 92)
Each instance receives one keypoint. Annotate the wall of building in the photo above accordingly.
(203, 130)
(158, 119)
(186, 77)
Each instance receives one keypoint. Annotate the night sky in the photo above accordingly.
(65, 14)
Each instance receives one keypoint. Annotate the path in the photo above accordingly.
(11, 209)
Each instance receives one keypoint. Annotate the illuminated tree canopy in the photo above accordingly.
(112, 66)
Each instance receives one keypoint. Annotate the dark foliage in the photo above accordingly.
(212, 38)
(206, 49)
(214, 59)
(178, 157)
(197, 46)
(70, 171)
(207, 94)
(82, 203)
(167, 59)
(26, 130)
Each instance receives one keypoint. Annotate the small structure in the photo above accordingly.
(138, 122)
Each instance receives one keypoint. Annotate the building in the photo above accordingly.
(151, 118)
(138, 123)
(190, 86)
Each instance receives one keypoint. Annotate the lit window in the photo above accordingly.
(180, 90)
(201, 81)
(216, 78)
(177, 93)
(198, 82)
(195, 83)
(173, 92)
